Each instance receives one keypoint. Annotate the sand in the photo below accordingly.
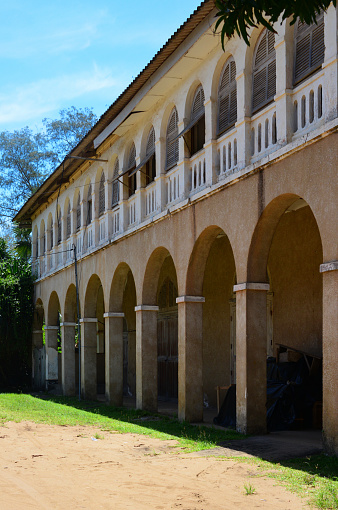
(54, 467)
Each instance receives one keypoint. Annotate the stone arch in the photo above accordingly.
(92, 289)
(54, 309)
(198, 259)
(70, 307)
(151, 275)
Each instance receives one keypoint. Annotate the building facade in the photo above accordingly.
(203, 212)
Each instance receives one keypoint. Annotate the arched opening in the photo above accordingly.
(92, 340)
(212, 274)
(286, 251)
(53, 343)
(38, 347)
(70, 347)
(122, 379)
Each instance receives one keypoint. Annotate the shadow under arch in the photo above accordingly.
(286, 252)
(152, 274)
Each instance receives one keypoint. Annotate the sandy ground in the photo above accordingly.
(52, 467)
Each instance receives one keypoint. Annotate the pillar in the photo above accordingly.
(330, 356)
(146, 357)
(38, 360)
(251, 331)
(190, 358)
(68, 358)
(114, 357)
(51, 336)
(88, 358)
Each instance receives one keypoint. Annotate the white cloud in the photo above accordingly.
(37, 99)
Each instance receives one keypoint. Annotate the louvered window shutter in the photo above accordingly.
(309, 48)
(51, 236)
(102, 202)
(89, 205)
(150, 142)
(78, 214)
(132, 157)
(227, 98)
(198, 103)
(68, 227)
(59, 226)
(264, 71)
(116, 195)
(172, 145)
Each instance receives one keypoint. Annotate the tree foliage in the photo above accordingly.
(27, 158)
(16, 315)
(239, 15)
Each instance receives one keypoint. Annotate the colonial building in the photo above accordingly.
(202, 206)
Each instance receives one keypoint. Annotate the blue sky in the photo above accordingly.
(61, 53)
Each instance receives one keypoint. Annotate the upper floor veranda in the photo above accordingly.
(204, 119)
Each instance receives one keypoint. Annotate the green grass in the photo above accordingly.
(315, 478)
(69, 411)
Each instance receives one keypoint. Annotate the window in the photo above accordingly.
(51, 235)
(150, 154)
(37, 247)
(59, 227)
(68, 226)
(131, 167)
(102, 200)
(264, 71)
(309, 48)
(44, 241)
(89, 205)
(78, 213)
(115, 191)
(198, 129)
(172, 140)
(227, 97)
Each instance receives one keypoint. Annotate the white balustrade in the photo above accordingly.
(197, 171)
(116, 221)
(173, 185)
(308, 104)
(131, 210)
(78, 243)
(69, 250)
(227, 156)
(102, 228)
(264, 132)
(150, 199)
(88, 237)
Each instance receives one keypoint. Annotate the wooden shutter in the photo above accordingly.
(59, 226)
(172, 143)
(150, 142)
(264, 71)
(227, 97)
(102, 202)
(78, 213)
(68, 227)
(198, 103)
(132, 157)
(309, 48)
(89, 205)
(116, 195)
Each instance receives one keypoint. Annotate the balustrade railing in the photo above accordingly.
(197, 171)
(116, 221)
(102, 228)
(264, 132)
(173, 186)
(150, 199)
(227, 156)
(308, 104)
(131, 208)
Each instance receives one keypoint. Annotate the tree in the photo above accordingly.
(16, 315)
(239, 15)
(27, 158)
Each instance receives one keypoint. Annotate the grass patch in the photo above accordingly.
(315, 478)
(69, 411)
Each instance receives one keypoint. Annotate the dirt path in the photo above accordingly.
(51, 467)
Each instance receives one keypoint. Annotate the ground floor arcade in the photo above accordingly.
(202, 296)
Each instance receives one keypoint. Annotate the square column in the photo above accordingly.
(190, 358)
(68, 358)
(88, 358)
(330, 356)
(51, 335)
(146, 357)
(251, 353)
(114, 358)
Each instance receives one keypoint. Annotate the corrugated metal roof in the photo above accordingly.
(85, 146)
